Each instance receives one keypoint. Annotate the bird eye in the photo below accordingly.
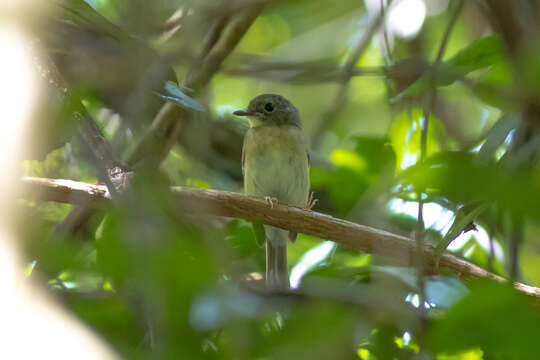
(269, 107)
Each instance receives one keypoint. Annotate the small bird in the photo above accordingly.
(275, 165)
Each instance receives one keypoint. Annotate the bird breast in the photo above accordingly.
(276, 164)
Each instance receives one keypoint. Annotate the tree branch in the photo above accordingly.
(88, 130)
(340, 99)
(155, 143)
(109, 168)
(302, 72)
(397, 249)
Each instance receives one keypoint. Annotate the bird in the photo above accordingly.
(275, 166)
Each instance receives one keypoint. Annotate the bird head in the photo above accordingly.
(270, 109)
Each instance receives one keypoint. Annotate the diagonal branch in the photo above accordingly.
(109, 168)
(428, 108)
(347, 72)
(88, 130)
(163, 133)
(397, 249)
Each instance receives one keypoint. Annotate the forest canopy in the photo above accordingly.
(423, 124)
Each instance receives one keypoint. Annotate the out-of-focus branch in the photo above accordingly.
(94, 138)
(154, 143)
(397, 249)
(346, 74)
(301, 72)
(108, 166)
(428, 108)
(88, 130)
(229, 8)
(109, 169)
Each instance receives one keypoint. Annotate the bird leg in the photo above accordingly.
(311, 201)
(271, 201)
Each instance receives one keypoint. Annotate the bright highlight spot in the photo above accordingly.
(310, 259)
(348, 159)
(17, 93)
(226, 110)
(406, 17)
(406, 338)
(435, 216)
(414, 300)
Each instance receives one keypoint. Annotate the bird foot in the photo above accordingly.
(311, 201)
(271, 201)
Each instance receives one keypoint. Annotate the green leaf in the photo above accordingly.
(496, 136)
(241, 235)
(405, 135)
(480, 54)
(356, 170)
(496, 87)
(494, 317)
(172, 93)
(458, 177)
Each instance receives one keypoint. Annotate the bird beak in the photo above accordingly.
(243, 112)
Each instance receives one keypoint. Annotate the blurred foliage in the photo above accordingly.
(156, 284)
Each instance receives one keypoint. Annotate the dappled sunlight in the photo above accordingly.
(438, 218)
(309, 260)
(404, 17)
(435, 216)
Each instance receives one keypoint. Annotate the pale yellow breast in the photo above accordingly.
(276, 164)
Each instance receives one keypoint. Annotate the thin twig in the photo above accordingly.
(428, 108)
(420, 243)
(213, 36)
(433, 74)
(516, 238)
(325, 121)
(88, 129)
(388, 51)
(302, 72)
(491, 253)
(103, 156)
(448, 31)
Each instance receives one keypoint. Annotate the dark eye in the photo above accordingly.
(269, 107)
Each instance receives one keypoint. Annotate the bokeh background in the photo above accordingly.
(423, 119)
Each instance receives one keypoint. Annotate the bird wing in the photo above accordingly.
(244, 157)
(246, 136)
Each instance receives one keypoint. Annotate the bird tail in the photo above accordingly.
(277, 271)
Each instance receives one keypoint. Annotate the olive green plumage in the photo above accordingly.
(275, 166)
